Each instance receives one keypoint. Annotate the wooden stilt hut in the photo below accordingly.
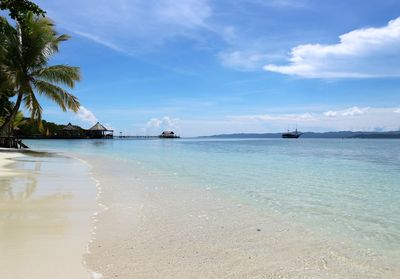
(71, 132)
(98, 131)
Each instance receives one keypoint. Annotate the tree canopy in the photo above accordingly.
(25, 52)
(19, 8)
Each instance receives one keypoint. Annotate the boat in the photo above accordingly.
(292, 135)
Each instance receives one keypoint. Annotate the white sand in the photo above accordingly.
(45, 217)
(156, 228)
(152, 228)
(6, 158)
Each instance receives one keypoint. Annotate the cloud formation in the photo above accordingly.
(347, 112)
(353, 118)
(243, 60)
(356, 118)
(156, 125)
(362, 53)
(86, 115)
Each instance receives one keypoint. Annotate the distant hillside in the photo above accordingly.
(325, 135)
(381, 135)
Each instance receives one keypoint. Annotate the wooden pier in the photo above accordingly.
(136, 137)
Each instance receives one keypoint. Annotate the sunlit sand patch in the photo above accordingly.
(45, 216)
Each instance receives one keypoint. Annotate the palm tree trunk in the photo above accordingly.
(6, 128)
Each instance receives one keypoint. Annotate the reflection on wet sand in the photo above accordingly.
(45, 216)
(9, 190)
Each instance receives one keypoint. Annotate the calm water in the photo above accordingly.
(348, 189)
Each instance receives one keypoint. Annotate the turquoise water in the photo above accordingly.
(347, 189)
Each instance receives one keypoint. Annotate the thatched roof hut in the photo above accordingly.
(99, 131)
(71, 131)
(70, 127)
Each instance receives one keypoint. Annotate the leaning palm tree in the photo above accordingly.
(25, 51)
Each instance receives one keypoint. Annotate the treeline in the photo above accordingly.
(31, 129)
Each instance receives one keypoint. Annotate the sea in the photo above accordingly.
(348, 189)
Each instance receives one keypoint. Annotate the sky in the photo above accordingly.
(203, 67)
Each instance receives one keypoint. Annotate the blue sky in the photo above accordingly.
(205, 67)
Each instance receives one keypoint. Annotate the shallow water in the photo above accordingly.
(347, 189)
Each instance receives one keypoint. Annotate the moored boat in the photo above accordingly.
(292, 135)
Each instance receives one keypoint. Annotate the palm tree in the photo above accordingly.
(24, 55)
(19, 120)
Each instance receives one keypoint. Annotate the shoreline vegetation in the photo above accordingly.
(27, 44)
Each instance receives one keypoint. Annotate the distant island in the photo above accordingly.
(323, 135)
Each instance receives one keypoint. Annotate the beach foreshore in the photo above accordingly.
(46, 207)
(155, 226)
(148, 224)
(6, 159)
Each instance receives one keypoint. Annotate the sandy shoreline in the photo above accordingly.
(6, 159)
(46, 207)
(150, 226)
(156, 228)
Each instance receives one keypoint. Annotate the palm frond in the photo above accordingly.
(58, 95)
(63, 74)
(25, 51)
(19, 120)
(32, 104)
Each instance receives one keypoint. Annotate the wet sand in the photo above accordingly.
(154, 227)
(46, 207)
(6, 159)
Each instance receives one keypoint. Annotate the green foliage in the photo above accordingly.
(19, 120)
(31, 129)
(19, 8)
(25, 51)
(5, 107)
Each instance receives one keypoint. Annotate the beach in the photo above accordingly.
(97, 214)
(46, 207)
(199, 139)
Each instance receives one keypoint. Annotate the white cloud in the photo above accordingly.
(156, 125)
(371, 119)
(330, 113)
(100, 40)
(243, 60)
(86, 115)
(354, 111)
(397, 110)
(368, 119)
(362, 53)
